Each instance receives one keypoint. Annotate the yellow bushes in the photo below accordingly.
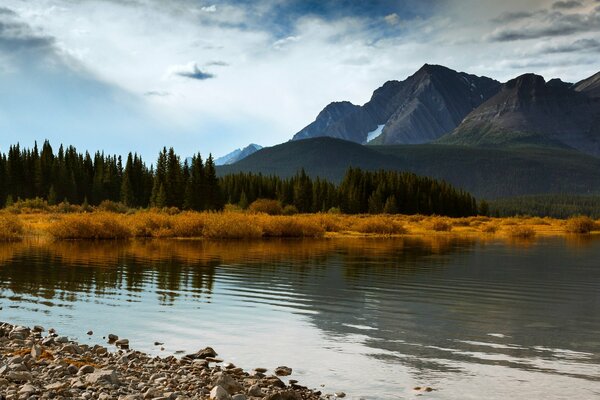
(267, 206)
(521, 232)
(90, 226)
(11, 228)
(306, 226)
(231, 226)
(580, 225)
(378, 225)
(441, 225)
(241, 225)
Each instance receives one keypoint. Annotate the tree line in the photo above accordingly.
(192, 184)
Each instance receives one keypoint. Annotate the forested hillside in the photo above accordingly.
(79, 178)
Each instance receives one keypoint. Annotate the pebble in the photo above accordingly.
(33, 367)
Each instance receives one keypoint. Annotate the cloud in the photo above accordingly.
(157, 93)
(209, 9)
(556, 24)
(16, 35)
(566, 5)
(581, 45)
(285, 41)
(6, 11)
(190, 70)
(392, 19)
(513, 16)
(216, 64)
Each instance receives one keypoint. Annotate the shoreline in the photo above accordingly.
(101, 225)
(36, 362)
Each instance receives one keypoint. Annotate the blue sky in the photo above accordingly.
(211, 76)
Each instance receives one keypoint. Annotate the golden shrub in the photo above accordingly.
(267, 206)
(99, 225)
(580, 224)
(521, 232)
(11, 228)
(379, 225)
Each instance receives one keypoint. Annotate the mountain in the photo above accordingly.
(590, 86)
(484, 172)
(527, 109)
(420, 109)
(237, 155)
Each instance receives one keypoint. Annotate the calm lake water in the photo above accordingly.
(371, 317)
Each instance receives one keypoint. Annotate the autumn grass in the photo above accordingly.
(11, 228)
(253, 224)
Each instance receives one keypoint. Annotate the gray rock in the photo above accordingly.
(218, 393)
(86, 369)
(226, 382)
(103, 376)
(36, 351)
(19, 376)
(255, 391)
(27, 389)
(283, 371)
(239, 396)
(122, 342)
(283, 395)
(61, 339)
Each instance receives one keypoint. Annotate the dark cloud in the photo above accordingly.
(582, 45)
(280, 17)
(553, 25)
(566, 5)
(156, 93)
(196, 73)
(16, 36)
(6, 11)
(513, 16)
(217, 64)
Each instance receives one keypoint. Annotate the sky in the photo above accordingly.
(212, 76)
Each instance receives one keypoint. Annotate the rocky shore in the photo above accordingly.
(40, 364)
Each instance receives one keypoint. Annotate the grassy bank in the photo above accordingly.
(242, 225)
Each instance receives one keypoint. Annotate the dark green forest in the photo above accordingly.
(81, 178)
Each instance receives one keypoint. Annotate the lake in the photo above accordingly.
(374, 318)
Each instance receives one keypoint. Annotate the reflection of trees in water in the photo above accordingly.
(67, 270)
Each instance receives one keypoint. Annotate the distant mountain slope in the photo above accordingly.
(237, 155)
(325, 157)
(419, 109)
(485, 172)
(529, 110)
(590, 86)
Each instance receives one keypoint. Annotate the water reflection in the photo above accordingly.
(469, 317)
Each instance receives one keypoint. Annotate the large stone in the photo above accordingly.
(19, 376)
(219, 393)
(36, 351)
(204, 353)
(226, 382)
(27, 389)
(283, 371)
(284, 395)
(103, 376)
(255, 391)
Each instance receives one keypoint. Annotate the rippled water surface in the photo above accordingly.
(371, 317)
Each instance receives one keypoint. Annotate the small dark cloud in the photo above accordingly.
(566, 5)
(582, 45)
(217, 64)
(15, 36)
(513, 16)
(7, 11)
(156, 93)
(557, 24)
(196, 73)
